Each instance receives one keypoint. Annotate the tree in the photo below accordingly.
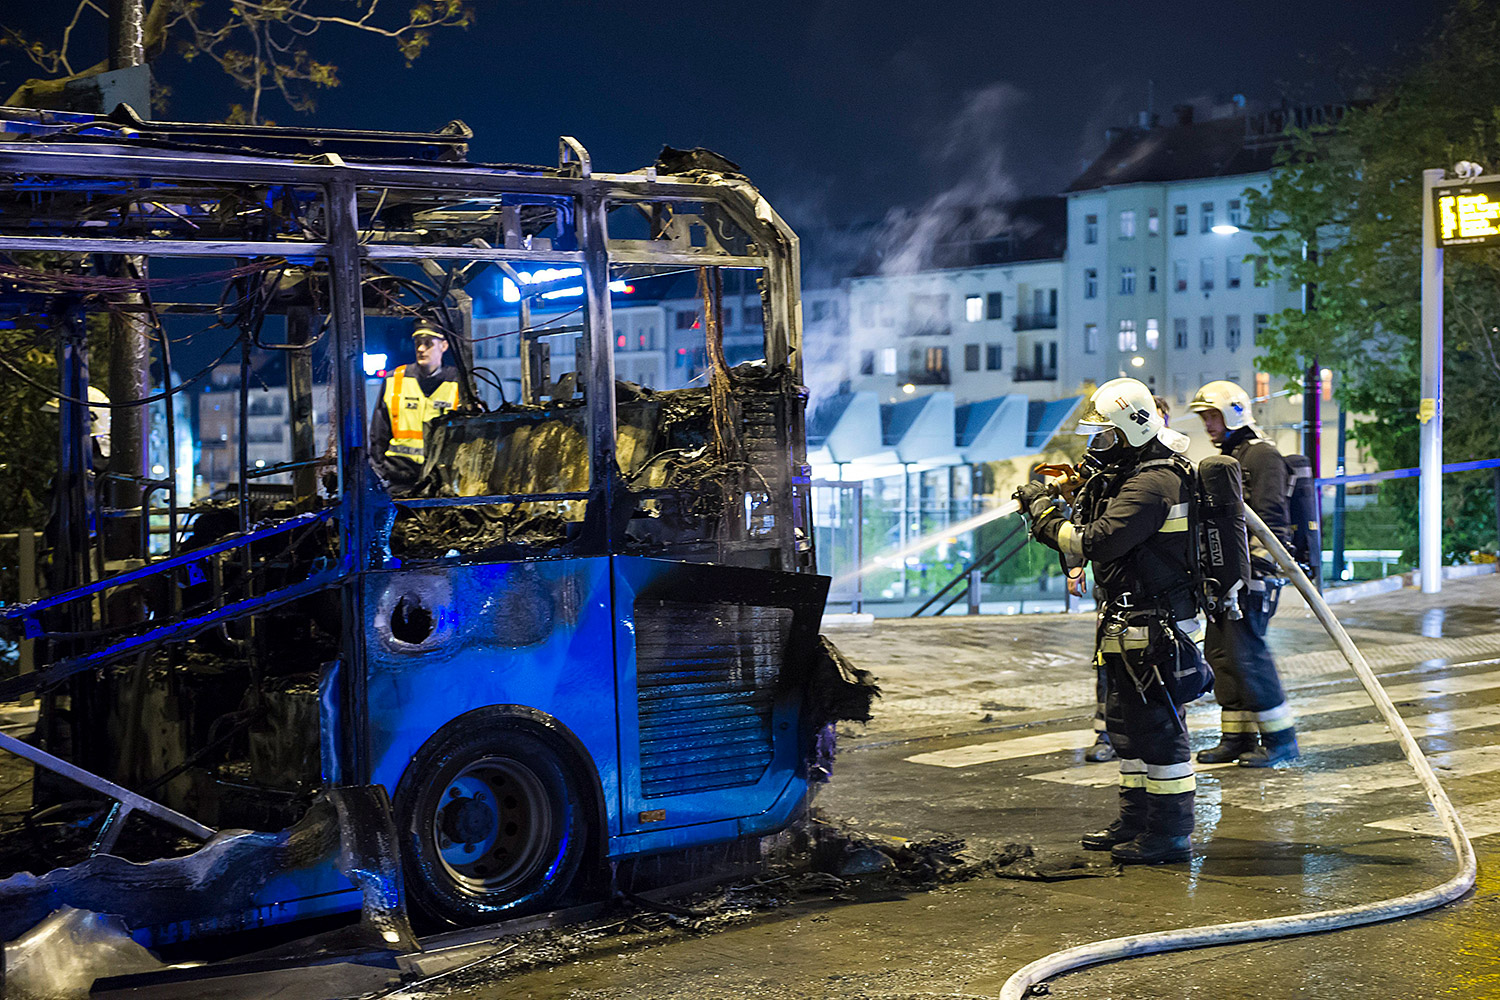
(264, 46)
(1352, 197)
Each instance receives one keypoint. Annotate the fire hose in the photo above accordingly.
(1019, 985)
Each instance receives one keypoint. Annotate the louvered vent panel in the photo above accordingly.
(706, 677)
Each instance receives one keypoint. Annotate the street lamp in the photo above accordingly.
(1225, 229)
(1137, 361)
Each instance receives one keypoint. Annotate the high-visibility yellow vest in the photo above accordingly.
(410, 410)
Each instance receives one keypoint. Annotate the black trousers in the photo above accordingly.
(1148, 734)
(1246, 683)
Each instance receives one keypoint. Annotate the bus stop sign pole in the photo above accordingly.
(1430, 412)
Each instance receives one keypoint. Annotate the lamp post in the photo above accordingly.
(1430, 410)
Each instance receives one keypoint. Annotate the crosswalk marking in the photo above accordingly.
(1435, 724)
(989, 753)
(1480, 819)
(1290, 789)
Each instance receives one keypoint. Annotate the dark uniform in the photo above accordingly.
(1246, 683)
(1132, 523)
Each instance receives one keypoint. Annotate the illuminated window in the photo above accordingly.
(974, 308)
(995, 305)
(1091, 338)
(1179, 220)
(1206, 217)
(1127, 225)
(1262, 385)
(1206, 332)
(1179, 276)
(1091, 229)
(1325, 378)
(1206, 274)
(1090, 283)
(1232, 266)
(1128, 339)
(1127, 281)
(1153, 335)
(971, 357)
(1153, 223)
(1232, 333)
(1261, 319)
(1179, 332)
(888, 361)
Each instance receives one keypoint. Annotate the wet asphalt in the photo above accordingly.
(1295, 839)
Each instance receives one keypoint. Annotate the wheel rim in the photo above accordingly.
(492, 826)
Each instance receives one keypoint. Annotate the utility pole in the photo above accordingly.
(130, 344)
(1430, 411)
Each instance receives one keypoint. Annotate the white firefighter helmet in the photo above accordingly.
(1229, 399)
(98, 417)
(1127, 406)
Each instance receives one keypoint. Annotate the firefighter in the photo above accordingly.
(411, 396)
(1132, 523)
(1102, 751)
(1257, 728)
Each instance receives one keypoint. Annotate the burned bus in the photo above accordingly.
(587, 633)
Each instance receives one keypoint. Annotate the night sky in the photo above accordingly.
(837, 110)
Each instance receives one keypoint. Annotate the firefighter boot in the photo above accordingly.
(1168, 833)
(1274, 749)
(1130, 824)
(1102, 750)
(1231, 747)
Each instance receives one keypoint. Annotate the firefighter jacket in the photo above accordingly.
(1266, 490)
(408, 401)
(1133, 524)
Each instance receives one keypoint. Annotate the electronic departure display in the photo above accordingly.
(1468, 214)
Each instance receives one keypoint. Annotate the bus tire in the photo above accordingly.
(492, 822)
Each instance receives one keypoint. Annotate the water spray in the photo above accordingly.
(929, 540)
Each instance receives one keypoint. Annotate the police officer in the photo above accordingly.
(1257, 728)
(1132, 523)
(411, 396)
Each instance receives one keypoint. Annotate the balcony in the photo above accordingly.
(1029, 374)
(925, 376)
(1035, 321)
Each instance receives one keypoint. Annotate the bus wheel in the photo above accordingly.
(492, 823)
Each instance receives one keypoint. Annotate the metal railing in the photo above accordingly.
(1035, 321)
(1029, 373)
(973, 575)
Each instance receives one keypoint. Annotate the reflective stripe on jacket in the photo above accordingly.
(410, 411)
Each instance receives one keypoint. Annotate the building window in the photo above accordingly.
(1179, 220)
(820, 311)
(1236, 216)
(1206, 218)
(935, 363)
(1153, 335)
(754, 316)
(729, 314)
(1127, 225)
(1261, 319)
(1179, 275)
(1232, 266)
(929, 315)
(1091, 338)
(1262, 385)
(1153, 223)
(1179, 333)
(1128, 340)
(995, 305)
(1206, 332)
(971, 357)
(994, 357)
(1151, 279)
(1091, 229)
(867, 362)
(888, 361)
(974, 308)
(1090, 283)
(687, 321)
(1232, 333)
(1261, 266)
(1127, 281)
(867, 314)
(1206, 274)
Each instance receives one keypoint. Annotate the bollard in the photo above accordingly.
(976, 580)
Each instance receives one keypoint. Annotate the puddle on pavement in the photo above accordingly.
(1433, 623)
